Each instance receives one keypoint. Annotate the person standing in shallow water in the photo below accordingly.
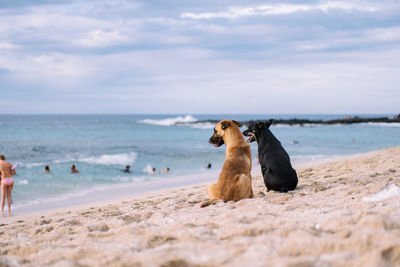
(73, 169)
(127, 169)
(7, 182)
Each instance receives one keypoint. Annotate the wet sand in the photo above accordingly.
(324, 222)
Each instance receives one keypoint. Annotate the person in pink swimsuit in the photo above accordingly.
(7, 182)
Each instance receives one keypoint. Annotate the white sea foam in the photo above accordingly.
(148, 169)
(68, 158)
(203, 125)
(282, 125)
(390, 191)
(302, 161)
(23, 182)
(315, 157)
(29, 165)
(122, 179)
(116, 159)
(382, 124)
(106, 159)
(170, 121)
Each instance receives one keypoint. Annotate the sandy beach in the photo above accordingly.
(331, 219)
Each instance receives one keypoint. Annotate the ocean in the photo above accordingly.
(102, 145)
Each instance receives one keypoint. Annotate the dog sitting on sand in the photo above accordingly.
(276, 168)
(234, 181)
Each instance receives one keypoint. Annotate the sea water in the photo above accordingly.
(102, 145)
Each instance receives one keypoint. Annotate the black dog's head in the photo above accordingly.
(217, 139)
(255, 129)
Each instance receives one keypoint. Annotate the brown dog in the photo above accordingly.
(234, 181)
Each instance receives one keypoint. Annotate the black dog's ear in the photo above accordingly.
(259, 125)
(224, 125)
(237, 123)
(268, 123)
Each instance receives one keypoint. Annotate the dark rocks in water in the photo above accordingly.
(345, 120)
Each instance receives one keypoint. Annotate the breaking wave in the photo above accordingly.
(170, 121)
(117, 159)
(106, 159)
(203, 125)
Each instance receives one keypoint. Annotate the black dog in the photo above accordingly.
(277, 171)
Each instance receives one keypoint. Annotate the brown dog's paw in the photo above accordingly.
(208, 203)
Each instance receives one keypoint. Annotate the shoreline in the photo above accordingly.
(325, 221)
(96, 204)
(103, 193)
(100, 194)
(140, 189)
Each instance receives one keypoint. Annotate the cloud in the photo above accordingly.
(6, 46)
(125, 56)
(384, 34)
(377, 38)
(277, 9)
(43, 72)
(102, 38)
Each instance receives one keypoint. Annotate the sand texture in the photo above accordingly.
(324, 222)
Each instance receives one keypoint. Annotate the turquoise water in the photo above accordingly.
(101, 145)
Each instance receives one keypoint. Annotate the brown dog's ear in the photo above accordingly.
(224, 125)
(237, 123)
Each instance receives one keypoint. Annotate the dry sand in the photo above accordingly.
(324, 222)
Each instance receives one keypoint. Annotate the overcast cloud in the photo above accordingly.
(119, 56)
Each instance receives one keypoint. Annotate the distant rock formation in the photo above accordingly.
(294, 121)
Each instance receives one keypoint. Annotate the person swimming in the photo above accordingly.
(164, 170)
(73, 169)
(127, 169)
(47, 169)
(7, 182)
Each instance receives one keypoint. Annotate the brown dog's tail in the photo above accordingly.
(208, 203)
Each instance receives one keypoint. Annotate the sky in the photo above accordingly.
(199, 57)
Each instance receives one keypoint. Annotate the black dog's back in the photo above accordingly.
(276, 168)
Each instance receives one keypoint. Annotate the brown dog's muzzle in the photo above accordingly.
(216, 140)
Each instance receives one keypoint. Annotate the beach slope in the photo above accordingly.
(333, 218)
